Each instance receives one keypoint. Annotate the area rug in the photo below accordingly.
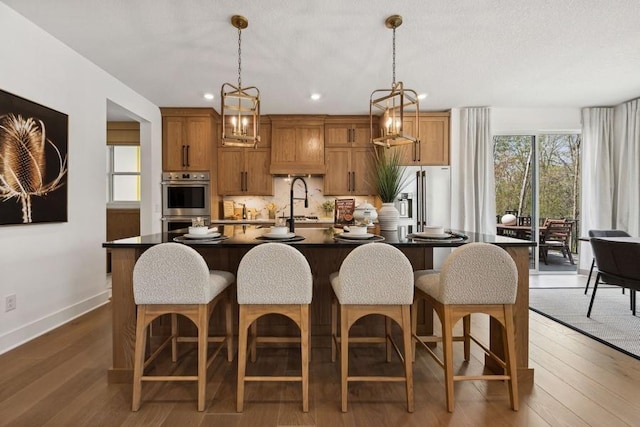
(611, 321)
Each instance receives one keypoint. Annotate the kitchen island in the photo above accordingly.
(325, 255)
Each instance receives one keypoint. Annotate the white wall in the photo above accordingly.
(519, 120)
(57, 270)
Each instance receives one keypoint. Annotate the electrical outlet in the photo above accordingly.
(10, 302)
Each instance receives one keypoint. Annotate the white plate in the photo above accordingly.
(279, 235)
(424, 235)
(202, 236)
(347, 235)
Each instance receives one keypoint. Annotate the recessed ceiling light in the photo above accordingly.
(315, 96)
(208, 96)
(423, 95)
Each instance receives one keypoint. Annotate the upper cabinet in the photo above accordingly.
(245, 171)
(349, 171)
(347, 131)
(433, 148)
(188, 138)
(297, 144)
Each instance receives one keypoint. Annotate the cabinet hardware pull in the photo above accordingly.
(419, 149)
(348, 181)
(353, 180)
(188, 156)
(182, 157)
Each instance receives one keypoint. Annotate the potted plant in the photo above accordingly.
(389, 178)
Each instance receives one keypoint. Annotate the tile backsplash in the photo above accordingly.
(281, 191)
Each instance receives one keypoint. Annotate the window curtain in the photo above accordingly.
(598, 178)
(627, 161)
(473, 202)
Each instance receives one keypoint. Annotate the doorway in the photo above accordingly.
(537, 178)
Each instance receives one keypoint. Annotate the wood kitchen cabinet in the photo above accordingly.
(244, 172)
(349, 171)
(347, 131)
(297, 144)
(187, 138)
(433, 148)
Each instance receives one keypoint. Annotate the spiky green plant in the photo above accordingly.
(388, 174)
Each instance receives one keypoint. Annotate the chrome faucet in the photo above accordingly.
(291, 199)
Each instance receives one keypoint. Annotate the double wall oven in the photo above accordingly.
(185, 196)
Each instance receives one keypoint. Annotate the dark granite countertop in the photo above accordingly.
(243, 235)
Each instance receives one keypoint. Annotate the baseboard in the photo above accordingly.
(23, 334)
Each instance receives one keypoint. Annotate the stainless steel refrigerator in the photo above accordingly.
(426, 200)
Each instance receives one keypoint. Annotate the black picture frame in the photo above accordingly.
(33, 162)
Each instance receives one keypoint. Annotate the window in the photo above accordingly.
(123, 175)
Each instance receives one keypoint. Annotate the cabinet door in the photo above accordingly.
(361, 134)
(174, 147)
(362, 166)
(337, 135)
(434, 141)
(198, 131)
(408, 152)
(310, 145)
(231, 171)
(283, 145)
(337, 180)
(258, 180)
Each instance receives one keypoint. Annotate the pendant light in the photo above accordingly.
(240, 106)
(394, 105)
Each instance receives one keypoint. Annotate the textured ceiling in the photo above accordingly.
(500, 53)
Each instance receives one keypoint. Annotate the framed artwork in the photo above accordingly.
(33, 162)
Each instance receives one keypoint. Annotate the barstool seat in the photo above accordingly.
(171, 278)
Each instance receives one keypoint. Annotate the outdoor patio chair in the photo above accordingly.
(556, 236)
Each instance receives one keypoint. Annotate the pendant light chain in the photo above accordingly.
(394, 57)
(239, 57)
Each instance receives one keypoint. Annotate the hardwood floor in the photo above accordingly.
(60, 379)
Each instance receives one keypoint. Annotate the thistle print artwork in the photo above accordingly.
(33, 162)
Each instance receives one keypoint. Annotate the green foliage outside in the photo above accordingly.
(559, 171)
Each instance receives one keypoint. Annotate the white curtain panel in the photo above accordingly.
(598, 178)
(627, 161)
(473, 202)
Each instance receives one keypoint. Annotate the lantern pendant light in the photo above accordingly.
(240, 106)
(394, 106)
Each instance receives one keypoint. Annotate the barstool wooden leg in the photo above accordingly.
(174, 337)
(253, 351)
(408, 364)
(228, 325)
(304, 351)
(138, 363)
(203, 341)
(466, 328)
(387, 337)
(242, 358)
(344, 354)
(414, 327)
(334, 327)
(447, 350)
(510, 356)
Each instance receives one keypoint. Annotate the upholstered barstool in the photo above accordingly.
(273, 278)
(475, 278)
(171, 278)
(374, 278)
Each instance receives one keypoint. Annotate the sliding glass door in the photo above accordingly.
(537, 181)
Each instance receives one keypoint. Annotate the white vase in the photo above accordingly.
(388, 217)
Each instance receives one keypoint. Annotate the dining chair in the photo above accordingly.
(273, 278)
(475, 278)
(617, 265)
(170, 278)
(374, 278)
(556, 236)
(602, 233)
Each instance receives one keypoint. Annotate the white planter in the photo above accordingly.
(388, 217)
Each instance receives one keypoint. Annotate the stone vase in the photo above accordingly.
(388, 217)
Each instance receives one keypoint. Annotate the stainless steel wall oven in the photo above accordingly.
(185, 195)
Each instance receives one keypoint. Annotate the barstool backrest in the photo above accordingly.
(478, 273)
(376, 273)
(274, 273)
(171, 273)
